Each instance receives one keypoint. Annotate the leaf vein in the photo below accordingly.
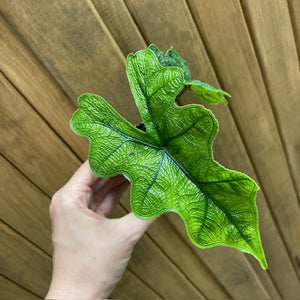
(207, 196)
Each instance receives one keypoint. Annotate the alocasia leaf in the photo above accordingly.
(171, 165)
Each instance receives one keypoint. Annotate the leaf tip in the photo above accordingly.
(262, 259)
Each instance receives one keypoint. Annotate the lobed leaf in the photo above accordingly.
(171, 165)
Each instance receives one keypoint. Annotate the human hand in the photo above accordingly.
(91, 251)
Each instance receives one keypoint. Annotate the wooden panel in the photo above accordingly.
(242, 78)
(24, 207)
(161, 29)
(121, 26)
(11, 291)
(32, 79)
(294, 6)
(228, 146)
(27, 141)
(83, 47)
(23, 263)
(277, 55)
(127, 288)
(81, 60)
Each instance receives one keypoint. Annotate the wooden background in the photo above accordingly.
(53, 51)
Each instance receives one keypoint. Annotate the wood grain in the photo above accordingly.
(127, 288)
(22, 262)
(35, 83)
(11, 291)
(29, 143)
(24, 207)
(121, 26)
(277, 54)
(242, 78)
(53, 52)
(294, 9)
(78, 50)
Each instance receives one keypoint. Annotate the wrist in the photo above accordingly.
(64, 289)
(74, 278)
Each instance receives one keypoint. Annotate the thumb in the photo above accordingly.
(135, 224)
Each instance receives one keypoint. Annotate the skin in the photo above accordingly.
(91, 251)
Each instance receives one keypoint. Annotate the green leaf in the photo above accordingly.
(203, 91)
(172, 59)
(207, 92)
(171, 165)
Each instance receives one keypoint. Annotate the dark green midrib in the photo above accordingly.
(153, 122)
(145, 94)
(205, 193)
(129, 138)
(149, 108)
(156, 173)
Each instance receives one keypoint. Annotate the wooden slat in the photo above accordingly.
(117, 19)
(31, 135)
(24, 207)
(164, 277)
(160, 29)
(23, 263)
(78, 50)
(277, 55)
(239, 279)
(294, 8)
(27, 141)
(242, 78)
(11, 291)
(228, 147)
(127, 288)
(23, 69)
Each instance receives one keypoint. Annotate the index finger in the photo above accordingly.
(84, 176)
